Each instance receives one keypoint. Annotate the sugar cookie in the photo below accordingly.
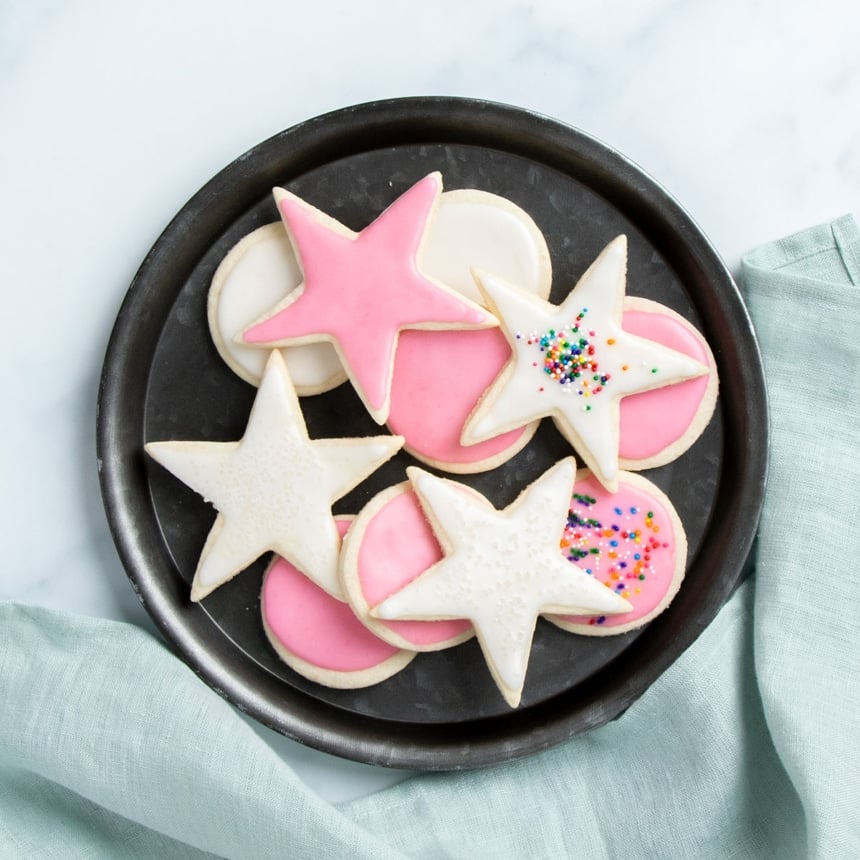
(317, 634)
(632, 541)
(257, 273)
(501, 569)
(389, 544)
(472, 229)
(658, 426)
(359, 290)
(274, 488)
(573, 362)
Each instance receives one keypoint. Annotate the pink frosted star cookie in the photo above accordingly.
(430, 397)
(574, 362)
(274, 488)
(500, 570)
(360, 290)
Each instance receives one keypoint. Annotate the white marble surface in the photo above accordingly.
(113, 114)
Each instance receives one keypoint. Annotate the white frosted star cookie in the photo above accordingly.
(274, 488)
(573, 362)
(501, 569)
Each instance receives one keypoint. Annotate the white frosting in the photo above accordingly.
(471, 229)
(586, 410)
(501, 569)
(255, 275)
(273, 489)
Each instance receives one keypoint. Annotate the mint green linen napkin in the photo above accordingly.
(745, 747)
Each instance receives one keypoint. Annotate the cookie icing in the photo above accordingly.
(390, 544)
(274, 488)
(659, 425)
(257, 273)
(359, 290)
(632, 541)
(501, 569)
(317, 634)
(573, 362)
(439, 376)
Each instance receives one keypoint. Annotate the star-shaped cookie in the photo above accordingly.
(274, 488)
(573, 362)
(359, 290)
(501, 569)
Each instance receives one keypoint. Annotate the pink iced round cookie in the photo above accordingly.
(658, 426)
(389, 544)
(632, 541)
(318, 635)
(438, 378)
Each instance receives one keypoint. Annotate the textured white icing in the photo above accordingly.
(588, 418)
(501, 569)
(470, 229)
(274, 488)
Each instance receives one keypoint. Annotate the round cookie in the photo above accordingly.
(257, 273)
(659, 425)
(317, 634)
(389, 544)
(632, 541)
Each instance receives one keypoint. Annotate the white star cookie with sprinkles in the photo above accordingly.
(501, 569)
(360, 290)
(573, 362)
(274, 488)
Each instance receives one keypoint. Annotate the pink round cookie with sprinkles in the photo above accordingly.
(632, 541)
(389, 544)
(318, 635)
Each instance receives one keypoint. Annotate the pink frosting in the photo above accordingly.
(438, 378)
(315, 626)
(653, 420)
(398, 545)
(362, 289)
(626, 540)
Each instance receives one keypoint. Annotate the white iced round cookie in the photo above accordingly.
(470, 228)
(255, 275)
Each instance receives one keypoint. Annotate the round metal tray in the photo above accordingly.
(163, 379)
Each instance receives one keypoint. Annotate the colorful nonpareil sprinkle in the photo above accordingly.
(570, 356)
(620, 551)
